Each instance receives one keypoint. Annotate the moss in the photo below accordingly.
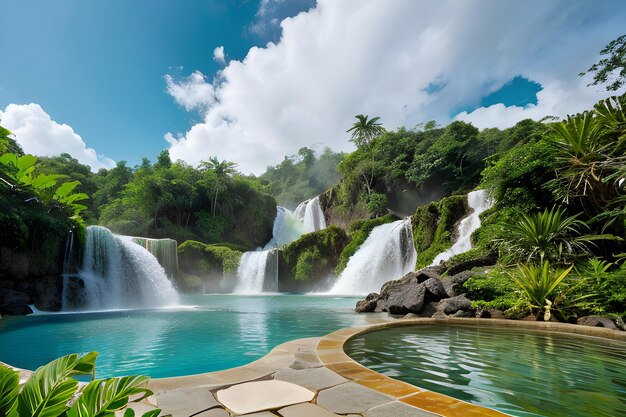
(433, 226)
(197, 258)
(314, 255)
(359, 231)
(493, 289)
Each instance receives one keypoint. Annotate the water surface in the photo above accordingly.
(218, 332)
(516, 371)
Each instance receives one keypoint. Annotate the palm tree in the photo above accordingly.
(222, 172)
(364, 130)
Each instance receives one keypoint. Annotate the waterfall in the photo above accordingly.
(388, 253)
(258, 270)
(478, 202)
(165, 250)
(117, 273)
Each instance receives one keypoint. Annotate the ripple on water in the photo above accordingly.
(520, 372)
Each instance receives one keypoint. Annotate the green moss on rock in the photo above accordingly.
(314, 255)
(200, 259)
(433, 227)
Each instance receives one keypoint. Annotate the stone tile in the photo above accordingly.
(261, 414)
(305, 410)
(184, 402)
(448, 406)
(304, 360)
(139, 408)
(389, 386)
(314, 379)
(251, 397)
(351, 398)
(215, 412)
(397, 409)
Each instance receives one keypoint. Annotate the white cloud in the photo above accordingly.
(39, 135)
(193, 92)
(218, 55)
(349, 57)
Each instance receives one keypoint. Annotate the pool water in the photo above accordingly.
(516, 371)
(218, 332)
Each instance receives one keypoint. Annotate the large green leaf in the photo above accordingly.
(45, 181)
(65, 189)
(9, 388)
(50, 387)
(101, 398)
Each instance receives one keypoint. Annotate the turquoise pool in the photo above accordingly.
(516, 371)
(218, 332)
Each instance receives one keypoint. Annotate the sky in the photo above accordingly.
(252, 81)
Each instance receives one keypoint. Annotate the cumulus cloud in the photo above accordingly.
(366, 57)
(218, 55)
(193, 92)
(38, 134)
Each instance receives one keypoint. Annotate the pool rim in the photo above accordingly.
(329, 350)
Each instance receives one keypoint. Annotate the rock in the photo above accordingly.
(462, 314)
(14, 303)
(372, 296)
(429, 309)
(483, 313)
(435, 290)
(365, 306)
(454, 304)
(596, 321)
(620, 323)
(487, 260)
(406, 299)
(439, 315)
(454, 284)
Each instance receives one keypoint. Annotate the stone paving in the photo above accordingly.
(313, 377)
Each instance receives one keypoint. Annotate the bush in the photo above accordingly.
(493, 289)
(433, 227)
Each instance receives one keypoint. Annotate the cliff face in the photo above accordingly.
(32, 245)
(31, 277)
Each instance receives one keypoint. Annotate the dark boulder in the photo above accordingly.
(596, 321)
(365, 306)
(434, 289)
(452, 305)
(14, 303)
(406, 299)
(453, 268)
(454, 284)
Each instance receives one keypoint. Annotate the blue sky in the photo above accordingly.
(117, 78)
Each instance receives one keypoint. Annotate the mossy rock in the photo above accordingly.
(314, 255)
(358, 233)
(207, 260)
(433, 227)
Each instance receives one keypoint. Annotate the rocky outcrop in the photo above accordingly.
(14, 303)
(424, 293)
(596, 321)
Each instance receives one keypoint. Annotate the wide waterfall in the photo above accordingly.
(117, 273)
(258, 270)
(478, 201)
(388, 253)
(165, 250)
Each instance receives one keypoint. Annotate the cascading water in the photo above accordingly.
(165, 250)
(310, 213)
(388, 253)
(478, 201)
(117, 273)
(258, 270)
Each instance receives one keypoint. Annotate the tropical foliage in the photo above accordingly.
(52, 391)
(612, 69)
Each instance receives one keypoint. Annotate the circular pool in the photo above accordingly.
(521, 372)
(214, 332)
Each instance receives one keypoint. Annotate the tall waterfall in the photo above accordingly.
(258, 270)
(310, 213)
(165, 250)
(388, 253)
(117, 273)
(478, 202)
